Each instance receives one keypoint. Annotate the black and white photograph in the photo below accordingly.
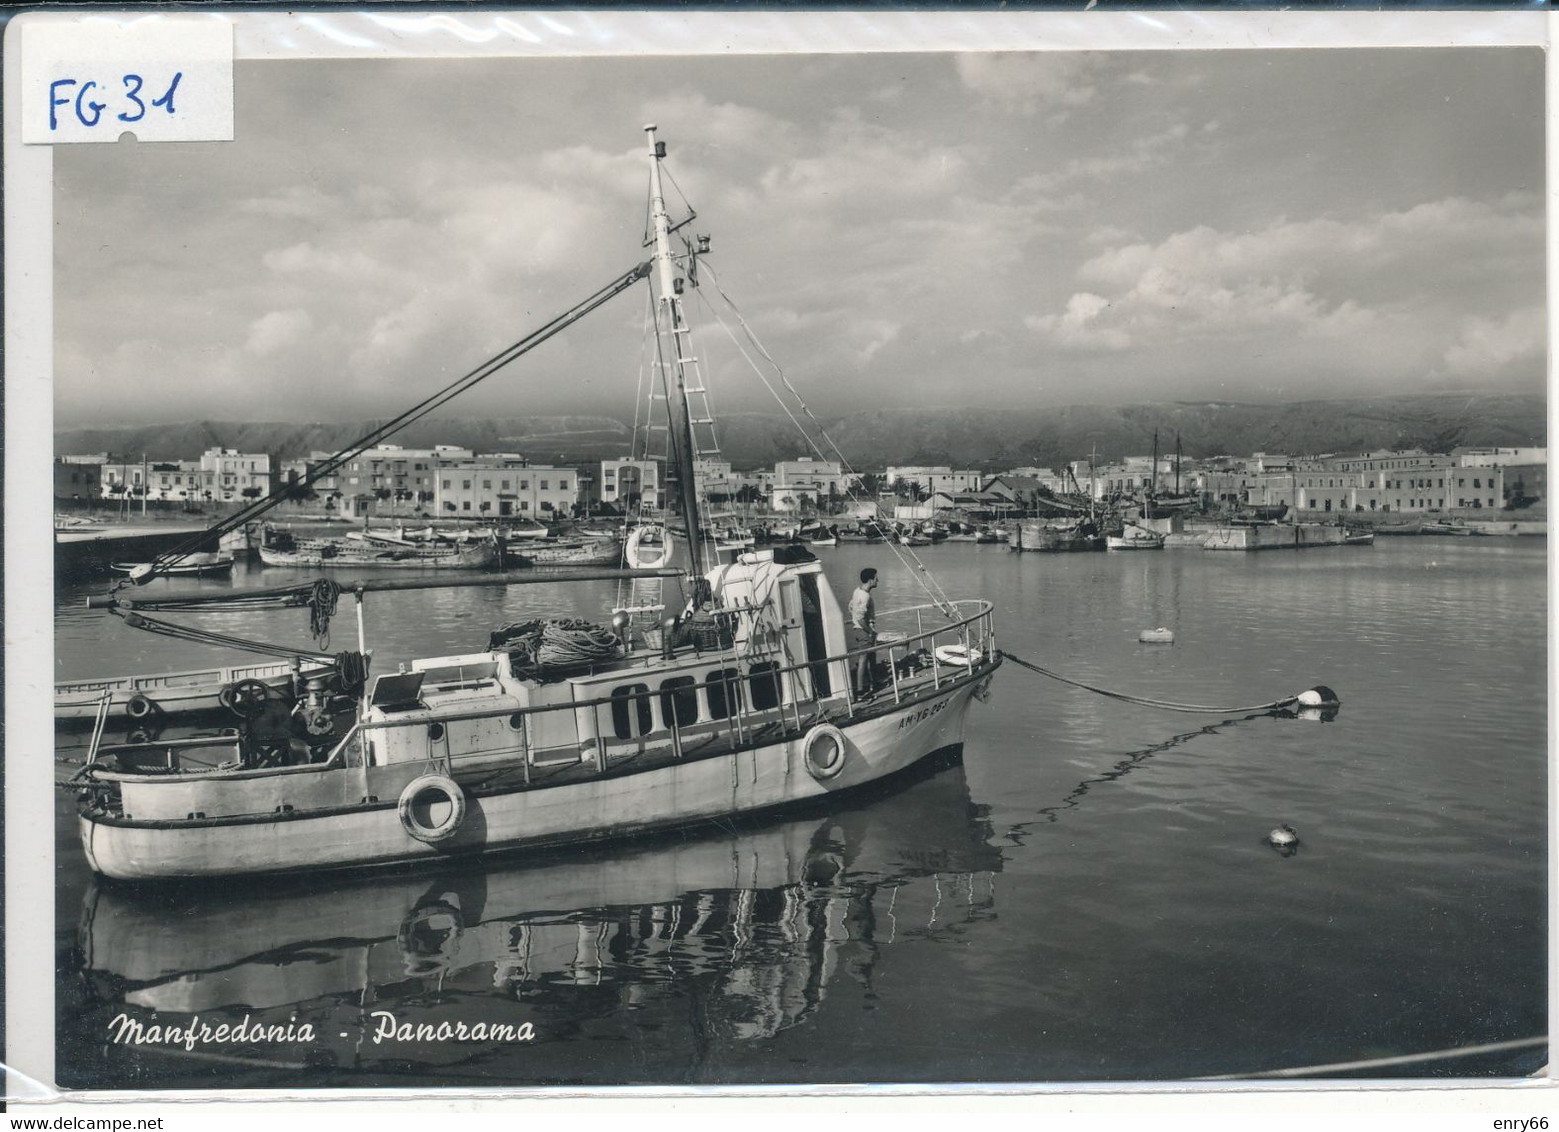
(976, 567)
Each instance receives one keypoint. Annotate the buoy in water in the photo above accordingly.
(1159, 636)
(1319, 696)
(1283, 837)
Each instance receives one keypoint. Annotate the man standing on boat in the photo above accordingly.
(863, 630)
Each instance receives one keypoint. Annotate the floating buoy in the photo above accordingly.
(1319, 696)
(1283, 837)
(1159, 636)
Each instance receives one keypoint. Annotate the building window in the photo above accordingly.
(525, 485)
(446, 484)
(504, 485)
(525, 505)
(562, 485)
(465, 485)
(466, 505)
(487, 485)
(543, 485)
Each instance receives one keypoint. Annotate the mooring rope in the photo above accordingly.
(1146, 701)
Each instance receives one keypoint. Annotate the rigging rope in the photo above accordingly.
(927, 582)
(1145, 701)
(221, 640)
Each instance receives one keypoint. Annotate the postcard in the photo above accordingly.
(988, 553)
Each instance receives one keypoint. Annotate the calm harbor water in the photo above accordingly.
(1084, 895)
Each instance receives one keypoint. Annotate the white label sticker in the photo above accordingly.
(94, 78)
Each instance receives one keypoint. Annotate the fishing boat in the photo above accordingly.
(281, 548)
(559, 732)
(200, 564)
(605, 551)
(1358, 536)
(1055, 538)
(1449, 528)
(1133, 537)
(526, 529)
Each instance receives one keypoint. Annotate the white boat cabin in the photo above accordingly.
(756, 651)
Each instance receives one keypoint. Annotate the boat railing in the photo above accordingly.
(965, 626)
(752, 701)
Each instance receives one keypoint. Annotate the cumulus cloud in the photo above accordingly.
(277, 330)
(1078, 327)
(1487, 345)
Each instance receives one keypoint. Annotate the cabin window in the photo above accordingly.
(435, 731)
(724, 686)
(679, 700)
(764, 680)
(631, 711)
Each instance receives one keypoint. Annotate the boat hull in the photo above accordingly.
(747, 780)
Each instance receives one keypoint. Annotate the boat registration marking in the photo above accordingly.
(924, 713)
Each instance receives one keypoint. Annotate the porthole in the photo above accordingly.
(435, 732)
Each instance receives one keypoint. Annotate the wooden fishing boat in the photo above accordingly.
(1133, 537)
(349, 553)
(562, 732)
(199, 564)
(170, 693)
(572, 552)
(1054, 538)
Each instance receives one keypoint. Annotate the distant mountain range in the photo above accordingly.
(986, 438)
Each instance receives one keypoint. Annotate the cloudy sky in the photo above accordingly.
(989, 230)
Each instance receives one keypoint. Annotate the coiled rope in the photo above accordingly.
(1146, 701)
(322, 599)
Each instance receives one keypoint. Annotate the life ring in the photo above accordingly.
(958, 656)
(415, 795)
(138, 706)
(640, 558)
(824, 751)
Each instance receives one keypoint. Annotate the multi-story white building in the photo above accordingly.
(504, 485)
(228, 474)
(627, 484)
(933, 478)
(1500, 457)
(391, 474)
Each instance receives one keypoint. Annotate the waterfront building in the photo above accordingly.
(504, 485)
(390, 474)
(227, 474)
(934, 478)
(793, 498)
(628, 484)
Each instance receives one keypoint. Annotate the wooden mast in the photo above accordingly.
(670, 306)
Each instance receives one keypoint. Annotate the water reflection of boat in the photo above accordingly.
(755, 918)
